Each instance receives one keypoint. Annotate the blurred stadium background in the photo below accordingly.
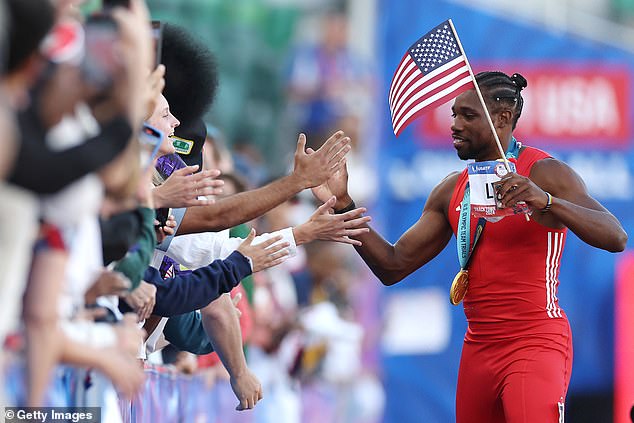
(578, 57)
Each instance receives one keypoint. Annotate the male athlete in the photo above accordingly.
(517, 353)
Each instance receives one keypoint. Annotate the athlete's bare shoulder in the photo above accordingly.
(440, 196)
(451, 179)
(554, 176)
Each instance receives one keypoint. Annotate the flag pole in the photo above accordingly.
(477, 88)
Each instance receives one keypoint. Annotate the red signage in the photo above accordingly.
(564, 106)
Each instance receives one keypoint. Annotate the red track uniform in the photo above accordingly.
(517, 353)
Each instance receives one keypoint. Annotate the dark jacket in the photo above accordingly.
(193, 291)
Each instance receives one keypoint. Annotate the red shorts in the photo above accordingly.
(520, 380)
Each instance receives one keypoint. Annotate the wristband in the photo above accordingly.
(349, 207)
(549, 202)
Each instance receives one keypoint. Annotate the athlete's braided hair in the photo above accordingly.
(499, 88)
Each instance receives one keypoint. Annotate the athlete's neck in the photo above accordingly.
(493, 152)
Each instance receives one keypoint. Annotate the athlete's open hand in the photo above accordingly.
(336, 185)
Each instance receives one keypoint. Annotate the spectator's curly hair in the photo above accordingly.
(191, 75)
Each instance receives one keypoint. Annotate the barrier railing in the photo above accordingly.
(166, 397)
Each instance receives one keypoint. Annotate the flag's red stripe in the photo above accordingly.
(407, 105)
(399, 104)
(434, 104)
(397, 92)
(398, 75)
(398, 71)
(453, 90)
(410, 104)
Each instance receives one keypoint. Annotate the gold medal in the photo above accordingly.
(459, 287)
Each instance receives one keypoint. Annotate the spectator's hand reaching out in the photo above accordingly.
(183, 187)
(247, 389)
(315, 169)
(265, 254)
(327, 226)
(109, 282)
(142, 300)
(166, 230)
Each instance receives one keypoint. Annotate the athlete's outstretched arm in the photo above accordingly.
(571, 205)
(418, 245)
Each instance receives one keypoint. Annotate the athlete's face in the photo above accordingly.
(471, 133)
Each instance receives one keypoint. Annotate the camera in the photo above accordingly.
(157, 37)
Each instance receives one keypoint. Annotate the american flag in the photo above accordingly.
(433, 71)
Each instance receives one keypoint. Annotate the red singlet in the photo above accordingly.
(517, 353)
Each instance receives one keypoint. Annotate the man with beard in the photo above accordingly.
(517, 354)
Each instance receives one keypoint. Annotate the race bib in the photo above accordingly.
(483, 177)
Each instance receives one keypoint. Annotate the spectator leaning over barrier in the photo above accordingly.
(28, 22)
(71, 232)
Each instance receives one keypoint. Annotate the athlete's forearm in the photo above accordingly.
(380, 257)
(240, 208)
(598, 228)
(415, 248)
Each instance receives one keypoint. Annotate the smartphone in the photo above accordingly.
(166, 165)
(150, 139)
(101, 62)
(157, 37)
(151, 136)
(162, 215)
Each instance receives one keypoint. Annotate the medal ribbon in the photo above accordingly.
(464, 222)
(514, 149)
(464, 230)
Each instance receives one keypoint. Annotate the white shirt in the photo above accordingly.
(198, 250)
